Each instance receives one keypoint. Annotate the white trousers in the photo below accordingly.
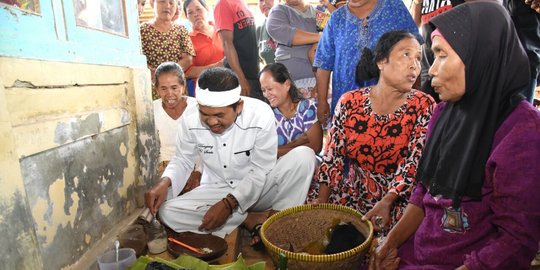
(286, 186)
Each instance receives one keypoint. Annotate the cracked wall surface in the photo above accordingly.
(75, 144)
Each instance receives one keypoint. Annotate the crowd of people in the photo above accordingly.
(432, 137)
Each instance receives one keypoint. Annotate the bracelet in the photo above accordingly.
(234, 200)
(227, 205)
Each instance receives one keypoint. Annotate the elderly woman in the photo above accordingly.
(292, 25)
(377, 134)
(296, 117)
(205, 39)
(163, 40)
(170, 84)
(476, 204)
(357, 25)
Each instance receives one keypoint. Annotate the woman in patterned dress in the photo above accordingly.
(299, 131)
(296, 117)
(377, 134)
(358, 24)
(163, 40)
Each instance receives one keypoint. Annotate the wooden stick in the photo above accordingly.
(185, 245)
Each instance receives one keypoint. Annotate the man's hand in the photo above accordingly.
(323, 112)
(246, 87)
(215, 217)
(193, 181)
(157, 194)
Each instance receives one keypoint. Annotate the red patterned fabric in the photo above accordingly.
(368, 155)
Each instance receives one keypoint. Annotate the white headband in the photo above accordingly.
(209, 98)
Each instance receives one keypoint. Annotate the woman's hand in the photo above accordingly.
(384, 257)
(324, 194)
(535, 4)
(381, 210)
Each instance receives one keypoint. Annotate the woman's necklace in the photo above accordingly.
(290, 111)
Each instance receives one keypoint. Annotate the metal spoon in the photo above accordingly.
(116, 247)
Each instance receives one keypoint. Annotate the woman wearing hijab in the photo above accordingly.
(476, 204)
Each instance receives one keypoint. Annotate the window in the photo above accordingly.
(105, 15)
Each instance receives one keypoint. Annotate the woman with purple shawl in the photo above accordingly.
(476, 202)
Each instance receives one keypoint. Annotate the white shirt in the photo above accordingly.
(240, 157)
(167, 128)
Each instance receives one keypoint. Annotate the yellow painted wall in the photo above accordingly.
(75, 140)
(14, 215)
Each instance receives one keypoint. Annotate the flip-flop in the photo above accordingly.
(255, 232)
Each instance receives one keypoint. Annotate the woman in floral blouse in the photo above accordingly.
(377, 134)
(163, 40)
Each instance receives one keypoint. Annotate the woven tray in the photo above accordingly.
(298, 226)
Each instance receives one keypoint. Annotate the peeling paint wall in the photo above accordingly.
(17, 234)
(76, 190)
(76, 133)
(75, 144)
(147, 149)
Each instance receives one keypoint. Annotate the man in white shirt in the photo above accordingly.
(237, 141)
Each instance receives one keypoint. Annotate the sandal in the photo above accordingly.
(255, 232)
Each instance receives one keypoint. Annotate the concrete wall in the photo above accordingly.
(76, 140)
(76, 132)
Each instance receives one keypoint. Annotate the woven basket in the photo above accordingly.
(298, 226)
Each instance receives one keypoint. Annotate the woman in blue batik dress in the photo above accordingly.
(296, 118)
